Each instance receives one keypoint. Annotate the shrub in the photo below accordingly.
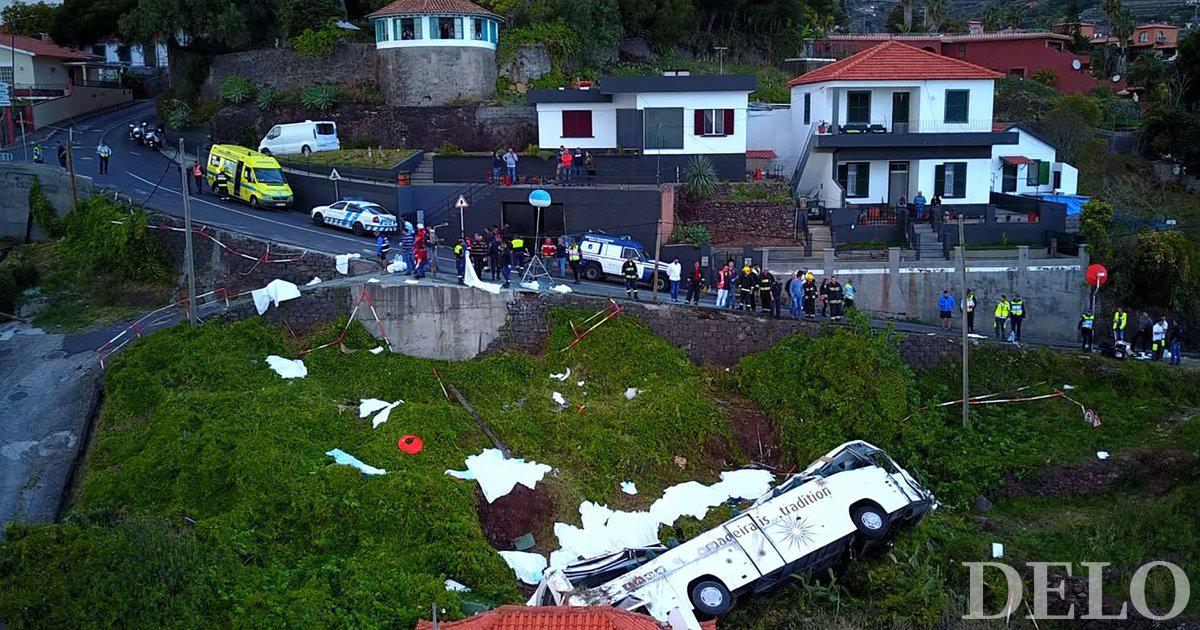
(1045, 76)
(693, 233)
(267, 98)
(297, 15)
(700, 177)
(102, 237)
(24, 270)
(321, 97)
(237, 90)
(449, 148)
(317, 43)
(44, 214)
(179, 114)
(10, 293)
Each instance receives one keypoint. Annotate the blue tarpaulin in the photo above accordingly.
(1074, 203)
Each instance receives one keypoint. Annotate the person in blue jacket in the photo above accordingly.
(946, 309)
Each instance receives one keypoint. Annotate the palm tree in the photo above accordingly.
(908, 6)
(1012, 17)
(935, 12)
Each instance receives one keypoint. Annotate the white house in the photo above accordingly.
(676, 114)
(892, 121)
(1031, 167)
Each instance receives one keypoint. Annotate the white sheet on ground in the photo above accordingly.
(397, 265)
(562, 288)
(472, 280)
(631, 392)
(558, 398)
(368, 406)
(341, 457)
(605, 530)
(341, 262)
(287, 368)
(411, 281)
(527, 566)
(376, 350)
(532, 286)
(498, 476)
(628, 487)
(997, 550)
(562, 376)
(315, 280)
(275, 292)
(372, 280)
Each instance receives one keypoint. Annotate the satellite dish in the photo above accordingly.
(1116, 78)
(1075, 64)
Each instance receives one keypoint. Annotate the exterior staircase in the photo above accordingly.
(931, 247)
(424, 172)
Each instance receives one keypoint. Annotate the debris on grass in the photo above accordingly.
(381, 408)
(345, 459)
(315, 280)
(287, 368)
(275, 292)
(631, 392)
(457, 587)
(497, 476)
(1102, 454)
(681, 462)
(997, 550)
(628, 487)
(562, 377)
(558, 398)
(376, 350)
(410, 444)
(342, 262)
(527, 566)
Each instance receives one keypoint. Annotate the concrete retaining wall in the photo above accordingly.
(15, 180)
(437, 321)
(82, 100)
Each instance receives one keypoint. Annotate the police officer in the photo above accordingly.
(1016, 314)
(518, 252)
(764, 291)
(460, 258)
(382, 247)
(573, 259)
(103, 152)
(1087, 324)
(1120, 321)
(37, 154)
(1002, 309)
(834, 294)
(629, 271)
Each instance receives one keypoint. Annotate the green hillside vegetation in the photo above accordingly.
(207, 497)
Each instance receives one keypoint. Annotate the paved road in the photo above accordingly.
(151, 178)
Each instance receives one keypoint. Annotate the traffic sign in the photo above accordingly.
(333, 175)
(1096, 275)
(461, 204)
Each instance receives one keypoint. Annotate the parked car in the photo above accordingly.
(304, 138)
(360, 217)
(855, 498)
(602, 255)
(248, 175)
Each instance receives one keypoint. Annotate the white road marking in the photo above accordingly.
(135, 153)
(252, 216)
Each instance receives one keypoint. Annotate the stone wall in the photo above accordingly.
(317, 307)
(286, 70)
(435, 75)
(761, 222)
(217, 266)
(706, 335)
(15, 180)
(471, 126)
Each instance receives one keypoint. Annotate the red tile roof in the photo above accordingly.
(893, 60)
(455, 7)
(555, 618)
(760, 154)
(949, 37)
(40, 48)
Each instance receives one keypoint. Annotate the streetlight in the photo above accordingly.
(721, 58)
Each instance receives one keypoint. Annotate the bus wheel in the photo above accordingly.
(358, 229)
(318, 219)
(711, 597)
(254, 201)
(662, 282)
(870, 520)
(592, 272)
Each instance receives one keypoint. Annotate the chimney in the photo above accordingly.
(975, 27)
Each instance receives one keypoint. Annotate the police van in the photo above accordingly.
(855, 498)
(248, 176)
(602, 255)
(356, 215)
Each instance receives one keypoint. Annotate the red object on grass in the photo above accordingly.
(410, 444)
(1096, 275)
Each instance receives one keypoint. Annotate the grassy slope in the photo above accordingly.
(921, 582)
(387, 158)
(197, 427)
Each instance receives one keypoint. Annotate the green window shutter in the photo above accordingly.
(843, 175)
(960, 180)
(939, 180)
(864, 179)
(1043, 173)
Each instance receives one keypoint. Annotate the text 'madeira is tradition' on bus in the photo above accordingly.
(853, 500)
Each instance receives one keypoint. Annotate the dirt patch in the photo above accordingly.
(517, 513)
(1156, 470)
(754, 434)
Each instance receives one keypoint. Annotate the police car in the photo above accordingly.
(602, 255)
(361, 217)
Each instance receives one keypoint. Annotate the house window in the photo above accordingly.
(1008, 179)
(858, 108)
(1016, 72)
(1037, 173)
(855, 179)
(957, 102)
(381, 30)
(714, 122)
(577, 123)
(808, 109)
(6, 75)
(950, 180)
(449, 27)
(1055, 44)
(480, 30)
(495, 30)
(1057, 180)
(663, 127)
(407, 28)
(1143, 36)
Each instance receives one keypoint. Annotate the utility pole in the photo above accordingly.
(721, 58)
(657, 253)
(962, 270)
(71, 168)
(188, 260)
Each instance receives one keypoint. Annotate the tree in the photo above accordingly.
(906, 6)
(85, 22)
(209, 26)
(1094, 221)
(296, 15)
(598, 23)
(993, 17)
(1069, 125)
(1120, 25)
(935, 14)
(1012, 17)
(1188, 64)
(29, 19)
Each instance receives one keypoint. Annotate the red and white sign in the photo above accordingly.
(1096, 275)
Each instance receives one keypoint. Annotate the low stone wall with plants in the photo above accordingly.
(739, 213)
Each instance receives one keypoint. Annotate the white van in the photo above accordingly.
(303, 138)
(854, 498)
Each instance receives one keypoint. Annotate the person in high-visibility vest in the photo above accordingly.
(1002, 309)
(1087, 325)
(460, 259)
(1120, 321)
(518, 253)
(1016, 314)
(37, 154)
(573, 259)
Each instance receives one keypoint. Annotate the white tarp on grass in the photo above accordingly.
(345, 459)
(287, 368)
(275, 292)
(368, 406)
(527, 566)
(498, 476)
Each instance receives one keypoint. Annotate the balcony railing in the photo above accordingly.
(40, 90)
(918, 126)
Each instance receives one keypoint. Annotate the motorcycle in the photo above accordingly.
(154, 139)
(137, 134)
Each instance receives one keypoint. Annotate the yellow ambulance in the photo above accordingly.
(248, 176)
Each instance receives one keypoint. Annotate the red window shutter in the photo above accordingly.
(729, 122)
(577, 123)
(699, 122)
(585, 124)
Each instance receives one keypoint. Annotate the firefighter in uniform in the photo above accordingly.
(810, 297)
(629, 271)
(518, 253)
(834, 294)
(573, 259)
(1087, 324)
(1120, 321)
(764, 291)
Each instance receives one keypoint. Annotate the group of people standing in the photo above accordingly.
(1153, 337)
(756, 289)
(501, 253)
(417, 246)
